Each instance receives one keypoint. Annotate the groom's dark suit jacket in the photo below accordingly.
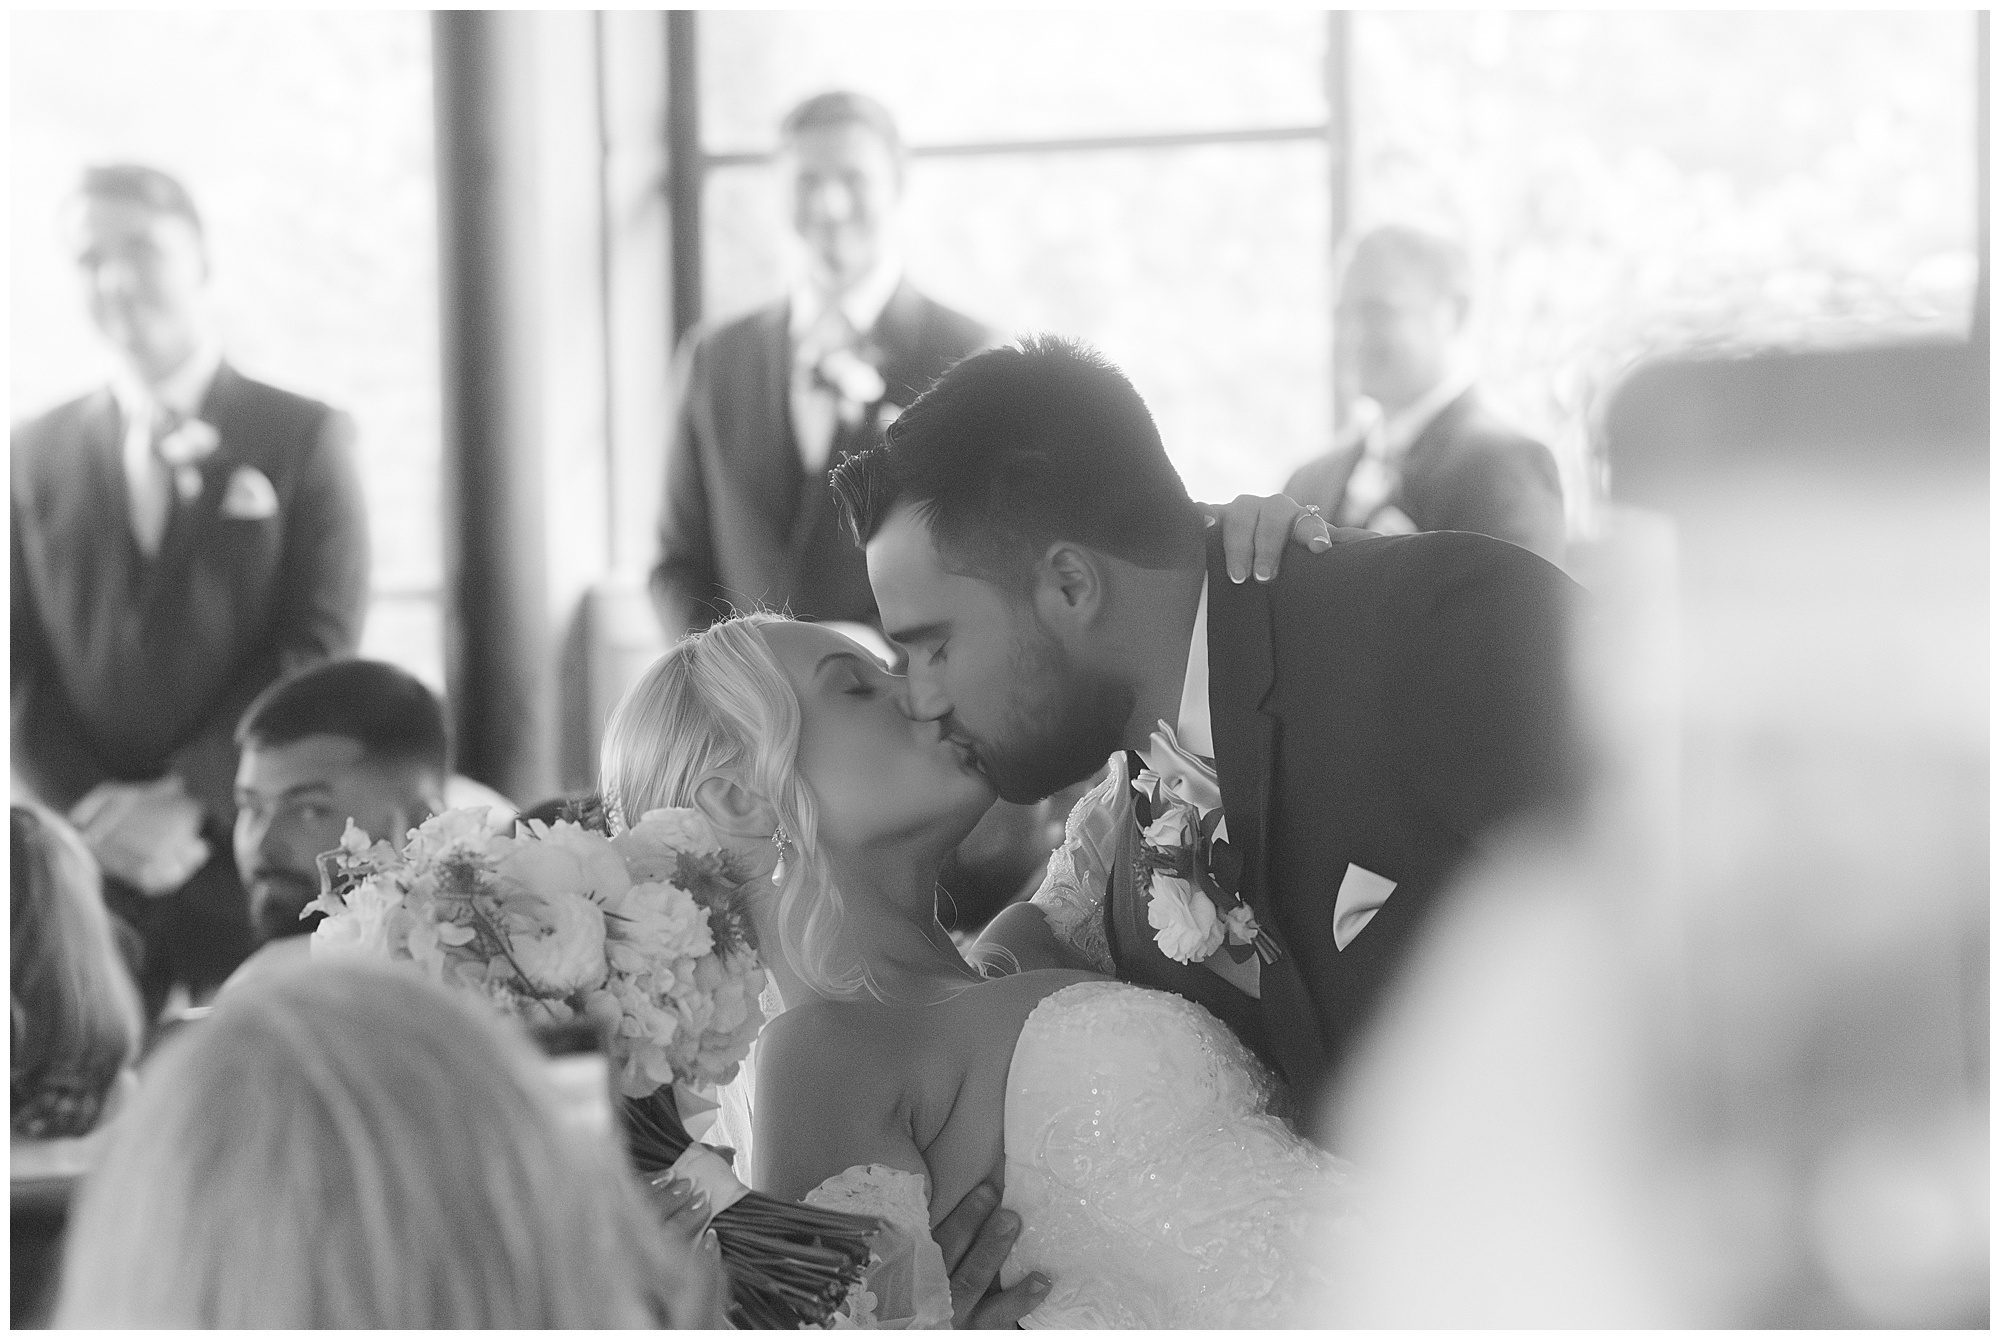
(125, 668)
(1387, 704)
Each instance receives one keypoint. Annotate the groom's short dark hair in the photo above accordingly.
(1018, 447)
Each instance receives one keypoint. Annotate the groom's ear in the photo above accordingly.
(1069, 586)
(734, 809)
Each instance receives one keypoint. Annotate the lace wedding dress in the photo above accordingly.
(1154, 1188)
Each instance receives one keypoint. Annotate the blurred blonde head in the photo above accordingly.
(76, 1022)
(351, 1146)
(718, 704)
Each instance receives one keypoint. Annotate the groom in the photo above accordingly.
(1371, 717)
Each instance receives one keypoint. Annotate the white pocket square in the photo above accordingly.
(1362, 893)
(250, 496)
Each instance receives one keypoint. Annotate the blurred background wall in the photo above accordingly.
(1632, 185)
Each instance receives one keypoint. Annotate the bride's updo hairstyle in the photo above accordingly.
(719, 703)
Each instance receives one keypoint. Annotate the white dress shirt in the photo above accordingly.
(1372, 487)
(821, 324)
(178, 395)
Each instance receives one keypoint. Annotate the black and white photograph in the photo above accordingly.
(949, 667)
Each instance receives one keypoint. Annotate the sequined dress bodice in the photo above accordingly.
(1153, 1186)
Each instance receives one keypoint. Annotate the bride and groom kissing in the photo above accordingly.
(1297, 770)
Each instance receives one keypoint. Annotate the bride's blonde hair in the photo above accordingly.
(718, 702)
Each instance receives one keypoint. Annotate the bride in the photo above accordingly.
(1129, 1128)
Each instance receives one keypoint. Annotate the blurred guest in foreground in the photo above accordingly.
(75, 1030)
(769, 402)
(352, 1146)
(75, 1014)
(1429, 454)
(349, 740)
(180, 537)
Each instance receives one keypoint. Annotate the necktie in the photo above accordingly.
(153, 489)
(1371, 485)
(815, 404)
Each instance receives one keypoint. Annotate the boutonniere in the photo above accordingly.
(184, 448)
(1191, 876)
(854, 379)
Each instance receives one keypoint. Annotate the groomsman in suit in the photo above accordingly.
(180, 538)
(1352, 733)
(1430, 454)
(770, 401)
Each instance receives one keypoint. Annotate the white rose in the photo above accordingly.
(652, 848)
(1241, 925)
(1174, 828)
(364, 925)
(465, 831)
(564, 859)
(1187, 928)
(557, 942)
(659, 924)
(684, 830)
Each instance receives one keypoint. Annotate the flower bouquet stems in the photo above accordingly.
(789, 1265)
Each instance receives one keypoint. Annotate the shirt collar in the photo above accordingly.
(1400, 430)
(1194, 729)
(182, 391)
(861, 302)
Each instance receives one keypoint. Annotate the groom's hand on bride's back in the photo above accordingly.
(976, 1237)
(1256, 530)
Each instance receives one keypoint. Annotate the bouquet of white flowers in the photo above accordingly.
(643, 934)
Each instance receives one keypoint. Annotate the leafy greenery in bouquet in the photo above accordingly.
(643, 934)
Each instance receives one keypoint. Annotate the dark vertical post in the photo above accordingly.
(496, 625)
(684, 167)
(1338, 75)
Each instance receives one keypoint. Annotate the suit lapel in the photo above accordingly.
(1429, 449)
(78, 558)
(1241, 668)
(1242, 665)
(897, 344)
(772, 366)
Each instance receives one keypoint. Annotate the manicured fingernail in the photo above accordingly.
(1263, 573)
(1038, 1285)
(1236, 575)
(1319, 544)
(1009, 1222)
(710, 1242)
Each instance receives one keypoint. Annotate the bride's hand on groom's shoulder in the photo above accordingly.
(975, 1238)
(1256, 530)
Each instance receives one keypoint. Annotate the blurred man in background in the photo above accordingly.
(1429, 455)
(350, 740)
(359, 741)
(770, 402)
(181, 537)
